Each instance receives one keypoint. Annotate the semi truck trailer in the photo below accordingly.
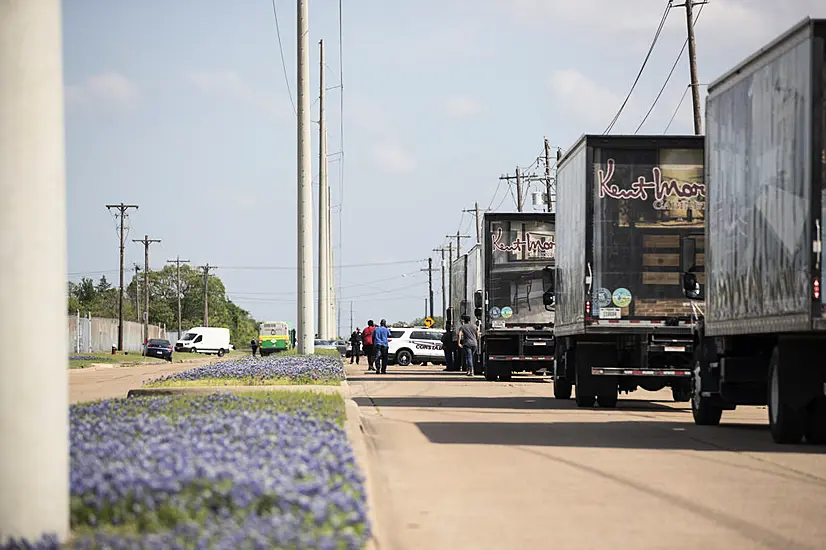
(761, 330)
(631, 212)
(514, 300)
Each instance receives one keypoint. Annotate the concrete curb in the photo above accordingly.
(355, 433)
(205, 390)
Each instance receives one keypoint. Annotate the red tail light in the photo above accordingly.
(169, 348)
(817, 289)
(588, 307)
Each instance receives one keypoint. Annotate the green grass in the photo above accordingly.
(239, 382)
(107, 357)
(329, 406)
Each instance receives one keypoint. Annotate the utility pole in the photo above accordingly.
(324, 310)
(206, 269)
(430, 283)
(692, 61)
(476, 211)
(304, 282)
(34, 424)
(458, 238)
(146, 241)
(518, 178)
(138, 291)
(444, 297)
(121, 208)
(178, 261)
(551, 202)
(449, 270)
(351, 317)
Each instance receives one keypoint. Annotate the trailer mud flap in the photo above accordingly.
(588, 356)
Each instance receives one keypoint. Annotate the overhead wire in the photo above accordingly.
(680, 104)
(642, 68)
(283, 62)
(670, 73)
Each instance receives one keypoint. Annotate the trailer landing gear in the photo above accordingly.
(562, 388)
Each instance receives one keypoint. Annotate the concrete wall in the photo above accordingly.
(98, 334)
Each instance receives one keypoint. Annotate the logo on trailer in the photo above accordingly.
(507, 312)
(495, 312)
(533, 246)
(603, 297)
(687, 194)
(622, 297)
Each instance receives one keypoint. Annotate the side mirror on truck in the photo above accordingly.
(691, 288)
(477, 299)
(549, 299)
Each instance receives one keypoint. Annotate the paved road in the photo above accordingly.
(106, 381)
(464, 463)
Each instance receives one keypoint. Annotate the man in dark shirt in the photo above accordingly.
(468, 342)
(381, 338)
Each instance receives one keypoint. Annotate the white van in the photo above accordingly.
(205, 340)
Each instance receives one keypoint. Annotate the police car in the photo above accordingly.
(415, 345)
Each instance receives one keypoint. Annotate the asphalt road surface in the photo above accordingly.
(465, 463)
(111, 380)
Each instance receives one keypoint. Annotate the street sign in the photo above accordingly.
(428, 322)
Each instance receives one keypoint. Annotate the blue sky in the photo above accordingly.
(183, 108)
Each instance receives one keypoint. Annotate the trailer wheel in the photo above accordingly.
(562, 388)
(816, 422)
(786, 424)
(607, 400)
(704, 411)
(505, 374)
(681, 392)
(581, 399)
(491, 372)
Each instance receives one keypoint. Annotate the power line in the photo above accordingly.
(680, 104)
(670, 73)
(642, 68)
(286, 268)
(281, 52)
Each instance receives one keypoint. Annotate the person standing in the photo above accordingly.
(367, 340)
(254, 346)
(381, 341)
(355, 346)
(447, 347)
(468, 342)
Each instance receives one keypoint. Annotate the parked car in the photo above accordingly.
(157, 347)
(415, 345)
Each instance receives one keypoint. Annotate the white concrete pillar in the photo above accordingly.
(34, 425)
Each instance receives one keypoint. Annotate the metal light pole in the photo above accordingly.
(304, 289)
(34, 394)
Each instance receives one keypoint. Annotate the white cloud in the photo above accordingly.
(110, 90)
(589, 104)
(393, 158)
(461, 106)
(231, 85)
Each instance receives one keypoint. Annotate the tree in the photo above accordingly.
(103, 285)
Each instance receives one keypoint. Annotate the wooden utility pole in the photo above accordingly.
(458, 238)
(178, 261)
(138, 291)
(430, 283)
(206, 269)
(550, 198)
(146, 241)
(476, 211)
(518, 178)
(692, 61)
(444, 297)
(325, 309)
(121, 209)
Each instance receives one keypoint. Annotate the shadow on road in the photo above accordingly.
(437, 376)
(654, 435)
(514, 403)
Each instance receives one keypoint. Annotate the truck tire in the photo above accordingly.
(816, 422)
(607, 400)
(785, 423)
(404, 357)
(680, 392)
(491, 372)
(581, 399)
(505, 374)
(705, 412)
(562, 388)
